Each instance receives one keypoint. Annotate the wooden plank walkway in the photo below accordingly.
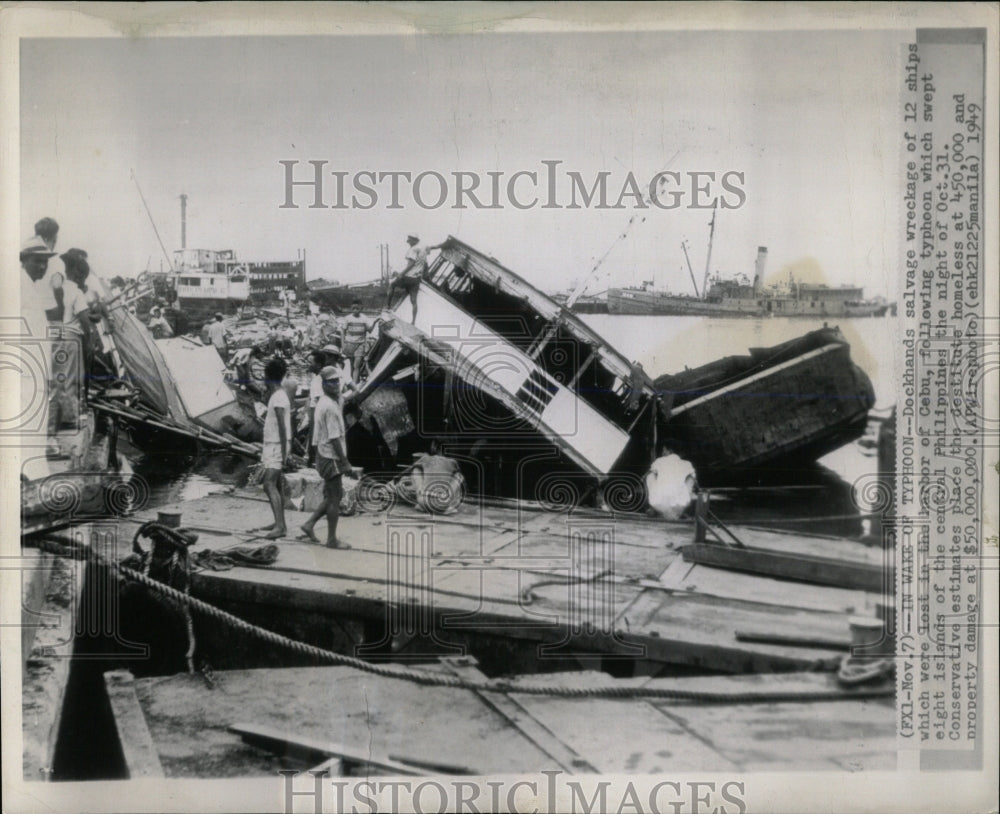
(515, 572)
(189, 724)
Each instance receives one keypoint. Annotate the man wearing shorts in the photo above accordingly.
(277, 444)
(331, 458)
(409, 278)
(354, 331)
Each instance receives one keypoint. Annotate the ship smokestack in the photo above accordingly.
(758, 272)
(184, 206)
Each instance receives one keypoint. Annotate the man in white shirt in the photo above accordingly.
(277, 445)
(216, 333)
(409, 278)
(288, 297)
(317, 361)
(158, 325)
(331, 458)
(36, 299)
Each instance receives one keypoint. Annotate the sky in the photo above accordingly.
(808, 118)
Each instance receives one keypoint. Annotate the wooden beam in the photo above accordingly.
(794, 640)
(138, 748)
(520, 718)
(312, 749)
(799, 567)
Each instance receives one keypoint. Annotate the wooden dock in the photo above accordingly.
(529, 590)
(255, 722)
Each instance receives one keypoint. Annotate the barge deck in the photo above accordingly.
(526, 589)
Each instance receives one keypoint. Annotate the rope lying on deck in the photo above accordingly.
(496, 686)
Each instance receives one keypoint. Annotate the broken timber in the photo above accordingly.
(801, 567)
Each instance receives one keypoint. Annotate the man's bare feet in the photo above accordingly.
(277, 534)
(337, 544)
(263, 528)
(307, 533)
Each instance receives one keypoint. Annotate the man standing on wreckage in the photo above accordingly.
(409, 278)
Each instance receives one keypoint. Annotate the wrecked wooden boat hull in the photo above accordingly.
(522, 392)
(774, 409)
(182, 398)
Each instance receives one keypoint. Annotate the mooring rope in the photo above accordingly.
(490, 685)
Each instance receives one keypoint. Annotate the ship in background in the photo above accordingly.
(205, 282)
(740, 297)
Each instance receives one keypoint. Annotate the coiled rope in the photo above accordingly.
(490, 685)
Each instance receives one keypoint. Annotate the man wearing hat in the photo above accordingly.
(331, 458)
(37, 299)
(409, 278)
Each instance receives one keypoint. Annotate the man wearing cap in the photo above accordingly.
(216, 333)
(331, 458)
(50, 283)
(409, 278)
(36, 299)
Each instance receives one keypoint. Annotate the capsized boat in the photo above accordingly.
(529, 399)
(176, 387)
(777, 407)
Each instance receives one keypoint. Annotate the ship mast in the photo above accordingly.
(708, 258)
(694, 282)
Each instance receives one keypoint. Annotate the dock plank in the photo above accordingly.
(853, 734)
(371, 715)
(138, 749)
(691, 577)
(190, 722)
(700, 631)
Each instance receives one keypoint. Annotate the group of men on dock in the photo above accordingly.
(332, 367)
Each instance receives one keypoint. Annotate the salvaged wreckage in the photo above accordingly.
(531, 401)
(536, 405)
(769, 411)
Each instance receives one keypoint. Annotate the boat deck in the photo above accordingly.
(179, 726)
(562, 588)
